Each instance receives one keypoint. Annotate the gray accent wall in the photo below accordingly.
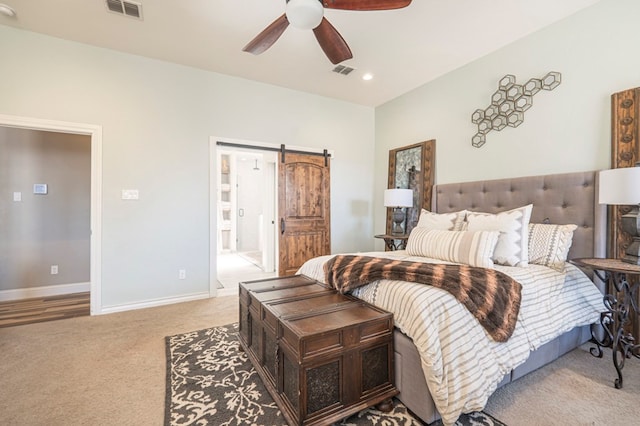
(42, 230)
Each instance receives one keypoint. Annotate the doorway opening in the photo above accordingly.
(91, 228)
(270, 211)
(246, 182)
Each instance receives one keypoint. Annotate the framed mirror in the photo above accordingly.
(412, 167)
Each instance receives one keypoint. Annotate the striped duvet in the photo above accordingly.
(461, 363)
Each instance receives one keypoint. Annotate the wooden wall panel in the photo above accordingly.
(625, 152)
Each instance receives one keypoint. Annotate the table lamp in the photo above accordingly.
(397, 199)
(622, 187)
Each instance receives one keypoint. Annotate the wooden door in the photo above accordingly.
(303, 210)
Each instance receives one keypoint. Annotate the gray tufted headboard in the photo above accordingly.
(560, 198)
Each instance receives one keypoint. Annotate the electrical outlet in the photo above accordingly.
(182, 274)
(54, 269)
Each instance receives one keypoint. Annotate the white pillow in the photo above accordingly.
(470, 248)
(442, 221)
(549, 244)
(513, 244)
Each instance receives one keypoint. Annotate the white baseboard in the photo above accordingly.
(57, 290)
(45, 291)
(222, 292)
(153, 303)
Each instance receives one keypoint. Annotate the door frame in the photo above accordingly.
(213, 182)
(271, 204)
(213, 204)
(95, 133)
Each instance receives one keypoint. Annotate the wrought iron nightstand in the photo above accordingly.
(394, 242)
(621, 303)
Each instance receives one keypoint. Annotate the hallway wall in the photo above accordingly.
(41, 230)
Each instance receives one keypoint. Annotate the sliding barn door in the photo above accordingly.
(303, 207)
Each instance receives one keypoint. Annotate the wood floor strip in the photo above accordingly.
(40, 309)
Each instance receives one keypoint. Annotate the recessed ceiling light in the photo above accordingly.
(7, 10)
(367, 76)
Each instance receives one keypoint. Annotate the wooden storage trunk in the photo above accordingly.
(322, 355)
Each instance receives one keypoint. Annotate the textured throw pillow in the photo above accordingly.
(549, 244)
(513, 244)
(442, 221)
(471, 248)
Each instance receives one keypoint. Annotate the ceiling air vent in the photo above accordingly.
(125, 7)
(343, 69)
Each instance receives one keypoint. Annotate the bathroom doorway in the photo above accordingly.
(246, 208)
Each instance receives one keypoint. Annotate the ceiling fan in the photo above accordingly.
(309, 14)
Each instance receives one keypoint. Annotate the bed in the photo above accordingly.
(453, 368)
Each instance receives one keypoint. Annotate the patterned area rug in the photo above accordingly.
(211, 382)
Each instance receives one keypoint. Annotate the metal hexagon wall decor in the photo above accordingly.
(509, 103)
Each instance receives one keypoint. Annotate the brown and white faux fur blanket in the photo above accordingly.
(491, 296)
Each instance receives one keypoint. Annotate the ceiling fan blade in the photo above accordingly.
(268, 36)
(332, 42)
(365, 4)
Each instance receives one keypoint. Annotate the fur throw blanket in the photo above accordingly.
(491, 296)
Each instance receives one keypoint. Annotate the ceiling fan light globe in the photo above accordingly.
(305, 14)
(7, 10)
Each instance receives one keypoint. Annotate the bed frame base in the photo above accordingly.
(556, 198)
(412, 385)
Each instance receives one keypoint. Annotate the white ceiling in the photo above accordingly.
(403, 48)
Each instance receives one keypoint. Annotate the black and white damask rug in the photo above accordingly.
(211, 382)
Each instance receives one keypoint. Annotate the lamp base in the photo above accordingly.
(630, 223)
(632, 253)
(398, 218)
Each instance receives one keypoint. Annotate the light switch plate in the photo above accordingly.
(17, 196)
(129, 194)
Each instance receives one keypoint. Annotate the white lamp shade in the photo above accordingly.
(398, 197)
(620, 186)
(304, 14)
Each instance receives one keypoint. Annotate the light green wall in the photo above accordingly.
(567, 129)
(157, 119)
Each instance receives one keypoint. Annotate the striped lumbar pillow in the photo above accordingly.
(470, 248)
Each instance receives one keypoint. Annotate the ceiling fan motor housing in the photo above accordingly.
(309, 15)
(304, 14)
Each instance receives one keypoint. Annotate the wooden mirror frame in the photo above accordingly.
(418, 160)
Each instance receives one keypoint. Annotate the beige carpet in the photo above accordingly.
(576, 389)
(101, 370)
(110, 370)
